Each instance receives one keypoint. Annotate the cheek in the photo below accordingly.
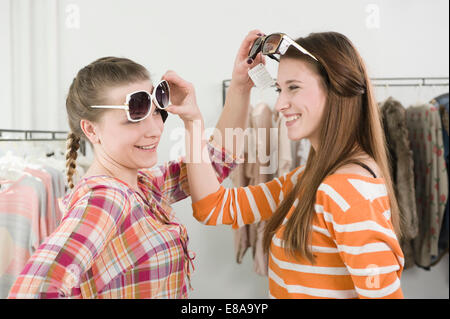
(316, 114)
(119, 138)
(160, 124)
(312, 106)
(315, 104)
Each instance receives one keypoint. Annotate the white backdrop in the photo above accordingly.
(45, 42)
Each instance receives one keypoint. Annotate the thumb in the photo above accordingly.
(174, 109)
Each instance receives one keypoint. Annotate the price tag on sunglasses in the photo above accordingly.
(260, 76)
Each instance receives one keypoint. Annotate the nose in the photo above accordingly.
(282, 104)
(153, 127)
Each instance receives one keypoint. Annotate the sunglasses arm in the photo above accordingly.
(295, 44)
(120, 107)
(274, 57)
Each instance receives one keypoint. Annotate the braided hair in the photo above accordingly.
(73, 144)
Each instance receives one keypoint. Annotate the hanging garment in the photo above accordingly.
(431, 179)
(58, 188)
(442, 103)
(285, 159)
(19, 229)
(258, 169)
(26, 218)
(53, 214)
(300, 152)
(402, 165)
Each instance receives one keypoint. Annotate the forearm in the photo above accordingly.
(234, 116)
(202, 178)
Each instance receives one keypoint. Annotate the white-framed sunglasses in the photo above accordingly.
(138, 104)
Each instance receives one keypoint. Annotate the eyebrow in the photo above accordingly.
(289, 82)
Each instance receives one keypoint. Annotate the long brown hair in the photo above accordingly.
(350, 126)
(89, 88)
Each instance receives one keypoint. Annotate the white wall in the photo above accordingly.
(199, 39)
(5, 60)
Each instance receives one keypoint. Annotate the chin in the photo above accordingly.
(149, 164)
(145, 163)
(296, 136)
(298, 133)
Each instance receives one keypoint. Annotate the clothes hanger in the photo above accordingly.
(10, 175)
(12, 161)
(433, 93)
(37, 157)
(419, 100)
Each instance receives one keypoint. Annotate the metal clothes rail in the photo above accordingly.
(28, 136)
(383, 82)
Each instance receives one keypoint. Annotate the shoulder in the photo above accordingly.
(340, 193)
(359, 170)
(352, 204)
(101, 191)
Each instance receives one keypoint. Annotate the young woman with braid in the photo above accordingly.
(333, 224)
(119, 237)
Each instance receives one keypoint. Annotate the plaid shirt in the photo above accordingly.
(113, 243)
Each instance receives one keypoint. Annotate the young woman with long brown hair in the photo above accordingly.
(333, 224)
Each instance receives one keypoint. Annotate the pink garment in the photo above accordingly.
(285, 162)
(19, 230)
(50, 219)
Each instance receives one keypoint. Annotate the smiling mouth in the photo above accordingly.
(293, 117)
(148, 147)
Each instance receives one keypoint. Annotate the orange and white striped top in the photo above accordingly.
(357, 252)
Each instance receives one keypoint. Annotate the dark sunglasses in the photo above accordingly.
(275, 43)
(138, 104)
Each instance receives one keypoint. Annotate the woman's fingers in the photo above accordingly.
(243, 62)
(260, 58)
(182, 97)
(247, 43)
(180, 89)
(173, 78)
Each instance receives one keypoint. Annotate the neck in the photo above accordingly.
(103, 166)
(314, 143)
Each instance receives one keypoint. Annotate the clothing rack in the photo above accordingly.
(381, 82)
(28, 136)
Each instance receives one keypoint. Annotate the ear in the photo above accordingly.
(90, 129)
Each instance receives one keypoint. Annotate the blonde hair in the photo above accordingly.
(89, 88)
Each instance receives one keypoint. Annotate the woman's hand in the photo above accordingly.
(182, 98)
(240, 78)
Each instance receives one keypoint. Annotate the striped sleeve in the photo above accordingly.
(171, 178)
(366, 242)
(240, 206)
(54, 270)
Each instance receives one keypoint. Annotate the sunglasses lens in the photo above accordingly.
(255, 47)
(271, 44)
(162, 94)
(139, 105)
